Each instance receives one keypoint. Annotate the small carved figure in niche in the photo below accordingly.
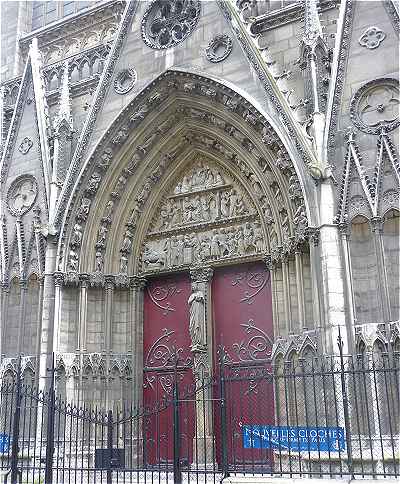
(268, 217)
(176, 214)
(188, 210)
(83, 210)
(108, 209)
(94, 182)
(239, 207)
(123, 265)
(73, 261)
(205, 248)
(178, 189)
(120, 184)
(135, 214)
(102, 234)
(105, 159)
(76, 238)
(214, 245)
(144, 193)
(186, 184)
(258, 238)
(231, 241)
(197, 319)
(223, 243)
(248, 235)
(196, 203)
(206, 207)
(225, 204)
(131, 167)
(127, 242)
(99, 261)
(139, 114)
(167, 252)
(239, 241)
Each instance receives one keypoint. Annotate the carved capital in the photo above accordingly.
(313, 235)
(109, 281)
(58, 279)
(201, 274)
(138, 283)
(377, 224)
(84, 280)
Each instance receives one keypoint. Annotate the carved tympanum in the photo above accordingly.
(206, 216)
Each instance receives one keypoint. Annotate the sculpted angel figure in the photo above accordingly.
(197, 319)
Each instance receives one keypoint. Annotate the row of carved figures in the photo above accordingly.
(204, 208)
(216, 244)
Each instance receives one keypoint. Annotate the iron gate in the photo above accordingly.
(322, 417)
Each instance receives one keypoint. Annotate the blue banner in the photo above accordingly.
(293, 438)
(4, 443)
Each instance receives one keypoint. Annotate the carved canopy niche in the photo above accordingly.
(205, 215)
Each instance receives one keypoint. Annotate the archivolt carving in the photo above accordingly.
(271, 158)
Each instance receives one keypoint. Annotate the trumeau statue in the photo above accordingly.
(197, 320)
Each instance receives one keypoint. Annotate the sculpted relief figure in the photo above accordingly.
(76, 238)
(197, 319)
(99, 262)
(108, 209)
(83, 210)
(94, 182)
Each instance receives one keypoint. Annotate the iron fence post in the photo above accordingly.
(224, 437)
(50, 428)
(109, 445)
(345, 408)
(177, 463)
(15, 430)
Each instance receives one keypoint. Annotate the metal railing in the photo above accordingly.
(318, 416)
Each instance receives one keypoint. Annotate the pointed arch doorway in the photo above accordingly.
(205, 238)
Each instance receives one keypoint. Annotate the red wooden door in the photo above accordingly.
(243, 327)
(165, 336)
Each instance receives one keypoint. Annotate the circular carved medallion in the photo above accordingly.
(168, 22)
(125, 80)
(219, 48)
(22, 194)
(375, 106)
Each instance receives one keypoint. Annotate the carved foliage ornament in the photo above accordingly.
(375, 106)
(219, 48)
(125, 81)
(22, 194)
(372, 38)
(168, 22)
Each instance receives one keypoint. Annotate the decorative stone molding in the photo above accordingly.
(25, 145)
(372, 38)
(165, 23)
(219, 48)
(374, 107)
(22, 195)
(298, 343)
(125, 80)
(201, 274)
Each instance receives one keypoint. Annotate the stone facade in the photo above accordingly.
(233, 132)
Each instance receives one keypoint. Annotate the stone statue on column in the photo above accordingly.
(197, 320)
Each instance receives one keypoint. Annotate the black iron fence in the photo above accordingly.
(321, 417)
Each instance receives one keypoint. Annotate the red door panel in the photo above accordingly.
(165, 335)
(243, 327)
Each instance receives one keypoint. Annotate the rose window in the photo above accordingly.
(168, 22)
